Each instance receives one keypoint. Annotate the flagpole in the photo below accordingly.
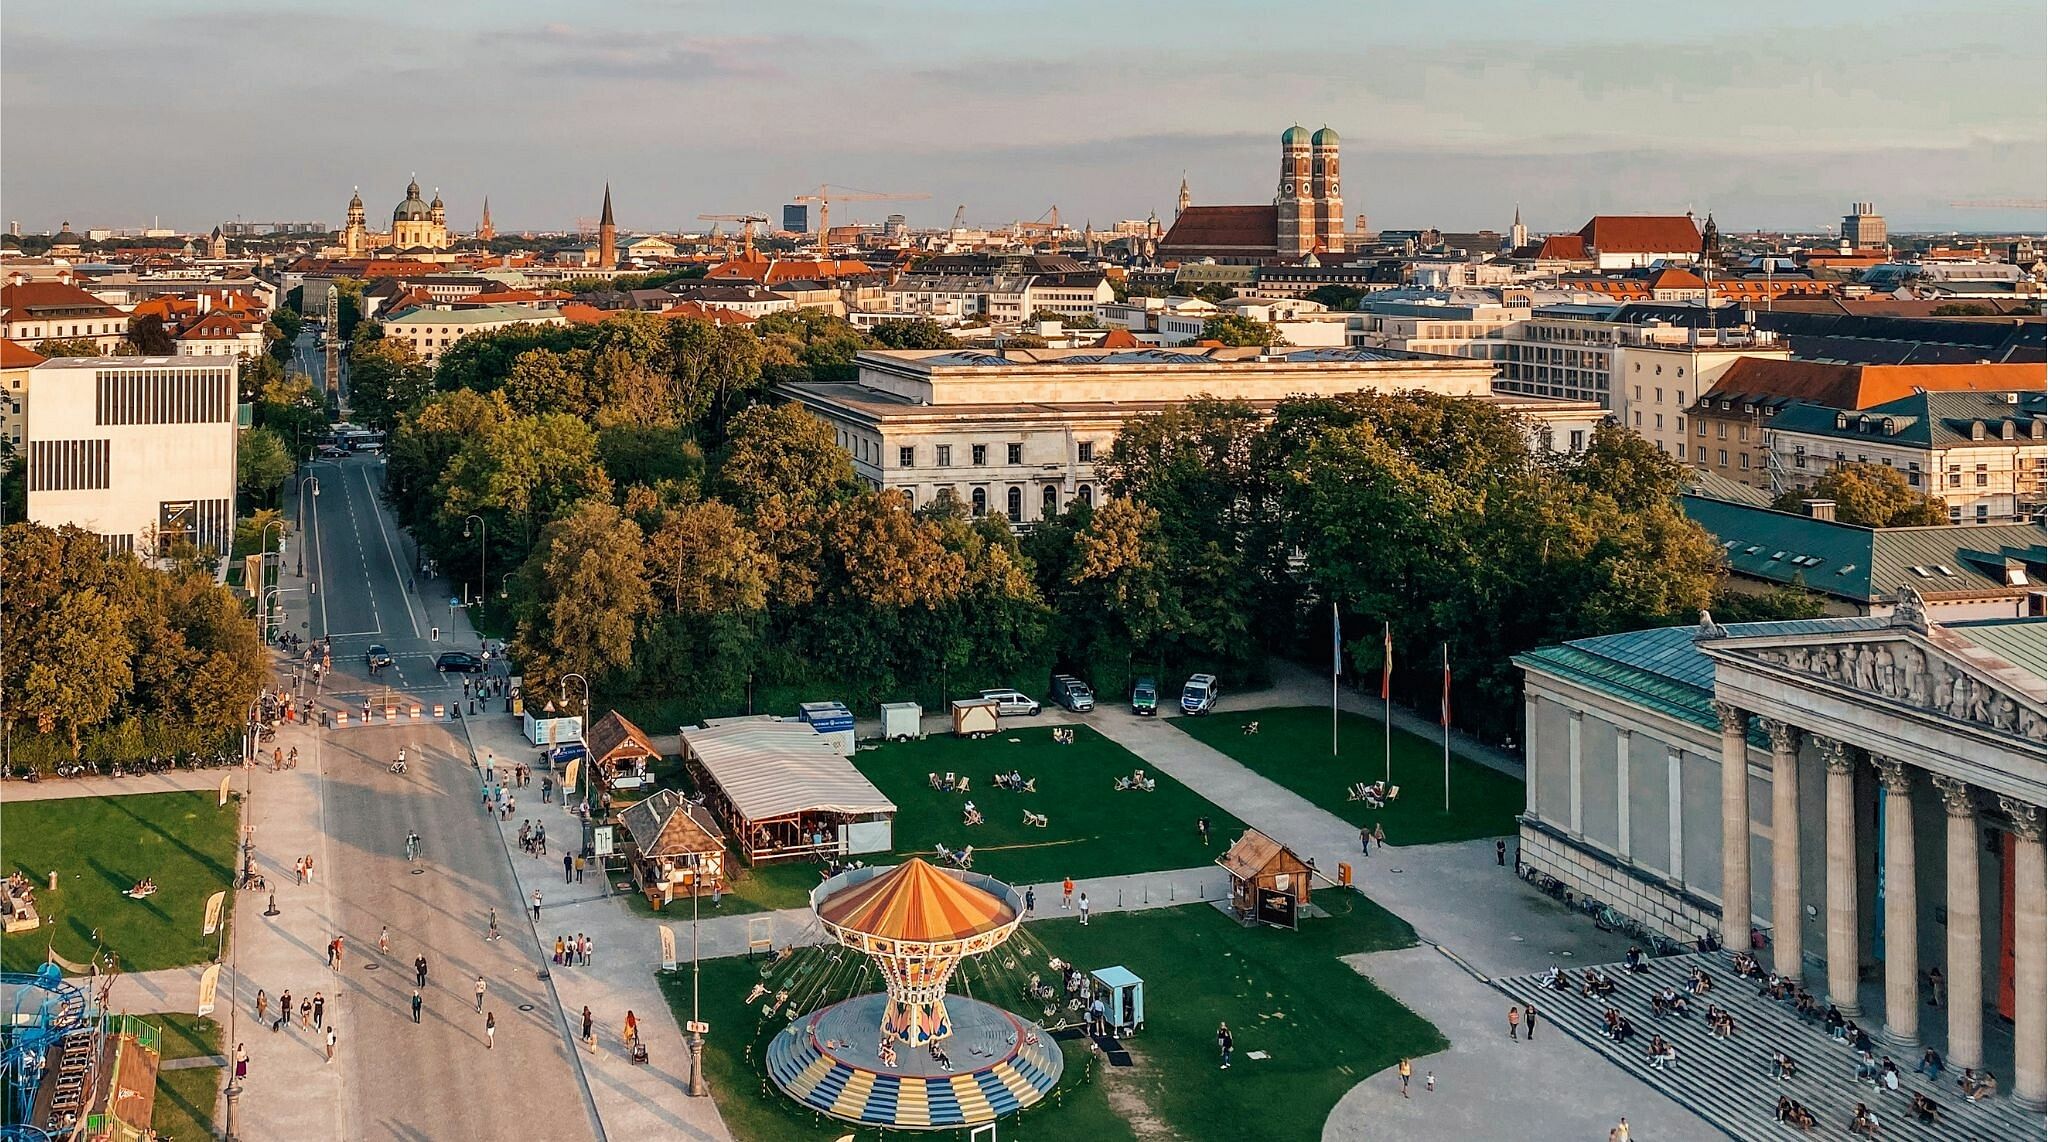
(1336, 664)
(1387, 694)
(1447, 727)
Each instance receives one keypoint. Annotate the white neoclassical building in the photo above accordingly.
(1868, 790)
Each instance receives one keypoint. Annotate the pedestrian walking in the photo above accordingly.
(1223, 1044)
(1429, 1082)
(384, 939)
(579, 869)
(1084, 909)
(1514, 1021)
(299, 871)
(319, 1010)
(536, 905)
(1619, 1133)
(589, 950)
(284, 1011)
(491, 1031)
(1066, 894)
(306, 1014)
(1365, 842)
(632, 1034)
(480, 988)
(262, 1005)
(1500, 853)
(331, 1037)
(1202, 827)
(589, 1022)
(309, 868)
(417, 1003)
(1379, 834)
(568, 869)
(241, 1062)
(547, 790)
(1030, 900)
(1407, 1068)
(419, 971)
(1529, 1022)
(494, 925)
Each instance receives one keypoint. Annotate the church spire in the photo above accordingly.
(1186, 200)
(605, 217)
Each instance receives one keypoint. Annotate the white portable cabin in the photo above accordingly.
(902, 721)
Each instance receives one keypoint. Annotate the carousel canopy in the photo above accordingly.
(917, 903)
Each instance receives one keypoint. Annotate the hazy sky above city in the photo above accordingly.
(1769, 114)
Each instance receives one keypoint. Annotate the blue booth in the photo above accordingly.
(1123, 999)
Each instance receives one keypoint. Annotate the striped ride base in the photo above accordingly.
(827, 1061)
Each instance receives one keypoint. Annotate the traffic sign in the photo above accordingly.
(697, 1027)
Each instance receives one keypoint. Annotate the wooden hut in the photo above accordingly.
(620, 752)
(1268, 882)
(676, 847)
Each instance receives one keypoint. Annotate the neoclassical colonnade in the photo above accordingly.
(1967, 808)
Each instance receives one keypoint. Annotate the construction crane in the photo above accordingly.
(826, 196)
(960, 217)
(747, 223)
(2001, 204)
(1047, 224)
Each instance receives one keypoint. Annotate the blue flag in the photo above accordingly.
(1336, 642)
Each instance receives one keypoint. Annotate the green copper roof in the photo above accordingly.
(2018, 641)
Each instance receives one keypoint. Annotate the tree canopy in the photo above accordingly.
(1869, 495)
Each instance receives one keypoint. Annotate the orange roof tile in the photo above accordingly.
(917, 903)
(15, 355)
(1564, 247)
(1862, 386)
(1641, 234)
(1118, 339)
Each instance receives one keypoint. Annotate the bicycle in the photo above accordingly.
(1608, 920)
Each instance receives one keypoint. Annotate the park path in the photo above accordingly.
(1475, 918)
(175, 781)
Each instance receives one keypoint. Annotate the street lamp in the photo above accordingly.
(697, 1089)
(308, 478)
(483, 556)
(505, 584)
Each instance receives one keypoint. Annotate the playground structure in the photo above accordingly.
(886, 1059)
(60, 1054)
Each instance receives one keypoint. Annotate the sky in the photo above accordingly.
(1771, 115)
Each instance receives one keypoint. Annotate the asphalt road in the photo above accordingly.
(439, 1079)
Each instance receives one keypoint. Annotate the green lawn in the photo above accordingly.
(99, 847)
(1092, 830)
(1292, 748)
(185, 1099)
(1323, 1027)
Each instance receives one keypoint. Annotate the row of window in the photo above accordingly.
(1013, 454)
(89, 329)
(1013, 500)
(165, 396)
(68, 465)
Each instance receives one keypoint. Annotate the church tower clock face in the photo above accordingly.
(1287, 188)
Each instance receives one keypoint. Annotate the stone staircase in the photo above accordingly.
(1732, 1084)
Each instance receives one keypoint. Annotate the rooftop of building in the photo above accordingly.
(1664, 669)
(185, 359)
(479, 315)
(1225, 227)
(1641, 234)
(1866, 564)
(1862, 386)
(1187, 355)
(1929, 420)
(15, 355)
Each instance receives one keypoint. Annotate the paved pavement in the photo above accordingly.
(441, 1078)
(174, 781)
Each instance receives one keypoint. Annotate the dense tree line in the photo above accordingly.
(659, 528)
(112, 659)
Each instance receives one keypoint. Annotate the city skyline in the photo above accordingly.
(1770, 118)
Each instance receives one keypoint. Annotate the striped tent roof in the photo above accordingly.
(918, 903)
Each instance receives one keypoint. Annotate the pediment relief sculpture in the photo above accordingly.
(1906, 673)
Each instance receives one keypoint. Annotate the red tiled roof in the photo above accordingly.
(1642, 234)
(1225, 227)
(215, 325)
(50, 295)
(1861, 386)
(15, 355)
(1565, 247)
(1118, 339)
(1677, 279)
(767, 271)
(716, 314)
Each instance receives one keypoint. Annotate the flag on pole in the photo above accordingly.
(1336, 641)
(668, 946)
(1447, 686)
(209, 987)
(214, 904)
(1387, 661)
(223, 799)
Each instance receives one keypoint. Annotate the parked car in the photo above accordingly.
(459, 662)
(378, 657)
(1199, 695)
(1012, 703)
(330, 452)
(1145, 698)
(1072, 693)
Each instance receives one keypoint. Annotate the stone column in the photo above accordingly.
(1965, 928)
(1901, 908)
(1788, 925)
(2030, 971)
(1575, 772)
(1622, 737)
(1735, 908)
(1674, 773)
(1844, 953)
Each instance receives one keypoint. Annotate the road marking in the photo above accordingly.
(397, 573)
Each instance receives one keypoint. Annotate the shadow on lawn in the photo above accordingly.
(209, 862)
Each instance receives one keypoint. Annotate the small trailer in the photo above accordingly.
(902, 721)
(975, 717)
